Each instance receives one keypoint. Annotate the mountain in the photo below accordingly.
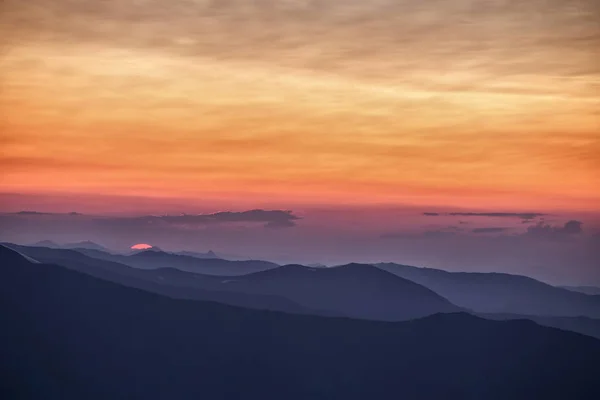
(155, 258)
(159, 259)
(85, 245)
(67, 335)
(184, 285)
(210, 254)
(583, 325)
(500, 293)
(165, 281)
(354, 290)
(591, 290)
(78, 245)
(47, 243)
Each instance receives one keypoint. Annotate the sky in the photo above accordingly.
(358, 116)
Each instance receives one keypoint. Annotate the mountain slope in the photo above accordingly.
(209, 266)
(209, 254)
(583, 325)
(46, 243)
(85, 245)
(154, 259)
(354, 290)
(591, 290)
(165, 281)
(67, 335)
(500, 293)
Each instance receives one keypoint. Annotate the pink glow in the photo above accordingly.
(141, 246)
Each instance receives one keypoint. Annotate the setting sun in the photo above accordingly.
(141, 246)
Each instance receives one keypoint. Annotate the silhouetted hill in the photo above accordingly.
(500, 293)
(180, 284)
(583, 325)
(591, 290)
(165, 281)
(77, 245)
(155, 258)
(209, 254)
(67, 335)
(160, 259)
(85, 245)
(354, 290)
(46, 243)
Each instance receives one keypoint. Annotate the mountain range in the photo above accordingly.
(354, 290)
(500, 293)
(69, 335)
(89, 245)
(166, 281)
(270, 291)
(155, 258)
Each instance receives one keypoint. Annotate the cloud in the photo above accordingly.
(572, 227)
(523, 215)
(543, 230)
(39, 213)
(270, 218)
(527, 215)
(490, 230)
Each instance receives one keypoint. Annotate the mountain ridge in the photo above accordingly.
(95, 339)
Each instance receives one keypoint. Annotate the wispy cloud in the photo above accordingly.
(270, 218)
(543, 230)
(522, 215)
(34, 213)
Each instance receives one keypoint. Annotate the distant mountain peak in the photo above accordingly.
(46, 243)
(86, 244)
(208, 255)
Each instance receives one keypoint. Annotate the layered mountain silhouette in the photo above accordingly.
(184, 285)
(85, 245)
(165, 281)
(353, 290)
(155, 258)
(46, 243)
(211, 266)
(68, 335)
(500, 293)
(209, 254)
(89, 245)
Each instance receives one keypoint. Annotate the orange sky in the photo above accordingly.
(449, 104)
